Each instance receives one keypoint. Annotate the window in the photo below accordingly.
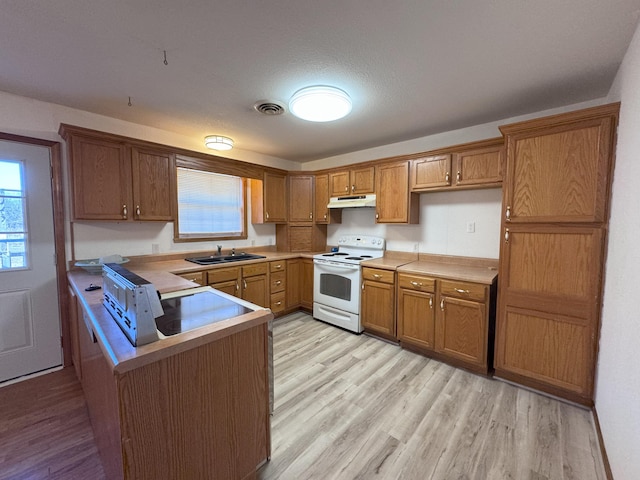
(13, 218)
(210, 206)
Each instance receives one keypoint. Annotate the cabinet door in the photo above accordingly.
(416, 319)
(294, 282)
(232, 287)
(153, 184)
(255, 290)
(461, 330)
(377, 311)
(269, 199)
(322, 214)
(394, 202)
(559, 176)
(101, 179)
(306, 295)
(362, 180)
(431, 172)
(478, 167)
(301, 198)
(74, 333)
(339, 184)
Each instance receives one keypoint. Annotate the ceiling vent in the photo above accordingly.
(269, 108)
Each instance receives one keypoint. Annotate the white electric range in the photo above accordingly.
(337, 279)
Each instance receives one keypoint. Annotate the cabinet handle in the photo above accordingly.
(266, 215)
(377, 215)
(507, 214)
(459, 290)
(346, 189)
(506, 235)
(376, 276)
(138, 210)
(353, 188)
(244, 283)
(278, 266)
(279, 282)
(237, 286)
(447, 178)
(310, 215)
(442, 304)
(416, 284)
(325, 216)
(430, 302)
(124, 211)
(458, 176)
(363, 286)
(278, 303)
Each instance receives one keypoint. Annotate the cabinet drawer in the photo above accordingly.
(223, 274)
(279, 266)
(277, 302)
(197, 277)
(278, 281)
(378, 275)
(468, 291)
(255, 269)
(417, 282)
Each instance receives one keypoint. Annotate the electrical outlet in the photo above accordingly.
(415, 247)
(253, 243)
(471, 227)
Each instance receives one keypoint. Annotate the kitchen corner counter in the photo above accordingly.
(117, 349)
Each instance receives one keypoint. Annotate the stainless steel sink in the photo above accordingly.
(215, 259)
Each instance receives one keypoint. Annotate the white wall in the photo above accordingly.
(618, 376)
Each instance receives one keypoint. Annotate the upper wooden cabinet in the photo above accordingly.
(394, 202)
(113, 180)
(481, 166)
(561, 174)
(472, 165)
(322, 214)
(432, 171)
(269, 199)
(301, 200)
(357, 181)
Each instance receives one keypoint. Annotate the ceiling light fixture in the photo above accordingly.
(320, 103)
(218, 142)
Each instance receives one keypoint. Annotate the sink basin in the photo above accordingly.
(215, 259)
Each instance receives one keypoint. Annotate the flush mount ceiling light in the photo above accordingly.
(320, 103)
(218, 142)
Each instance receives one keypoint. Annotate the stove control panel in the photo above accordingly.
(362, 241)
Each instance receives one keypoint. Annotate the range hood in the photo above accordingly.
(352, 201)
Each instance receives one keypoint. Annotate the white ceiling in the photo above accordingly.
(412, 67)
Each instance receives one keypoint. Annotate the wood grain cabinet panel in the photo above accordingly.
(113, 180)
(306, 294)
(357, 181)
(294, 283)
(378, 301)
(269, 198)
(301, 204)
(195, 277)
(394, 201)
(322, 214)
(480, 166)
(555, 201)
(431, 171)
(462, 330)
(416, 317)
(154, 190)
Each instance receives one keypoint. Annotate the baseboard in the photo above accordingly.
(603, 450)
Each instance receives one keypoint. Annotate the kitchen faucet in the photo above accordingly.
(233, 251)
(219, 250)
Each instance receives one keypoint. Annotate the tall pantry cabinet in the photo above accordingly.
(555, 216)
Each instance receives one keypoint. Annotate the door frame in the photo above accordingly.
(57, 200)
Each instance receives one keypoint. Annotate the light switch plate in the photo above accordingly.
(471, 227)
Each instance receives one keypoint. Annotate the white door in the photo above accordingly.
(29, 320)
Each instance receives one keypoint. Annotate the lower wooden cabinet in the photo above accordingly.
(377, 304)
(453, 320)
(249, 282)
(306, 293)
(278, 286)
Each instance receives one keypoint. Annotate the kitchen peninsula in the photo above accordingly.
(191, 403)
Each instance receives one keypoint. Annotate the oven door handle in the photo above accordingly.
(327, 266)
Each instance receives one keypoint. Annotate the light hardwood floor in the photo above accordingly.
(346, 407)
(354, 407)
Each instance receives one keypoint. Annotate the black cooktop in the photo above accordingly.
(182, 314)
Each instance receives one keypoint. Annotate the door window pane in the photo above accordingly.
(13, 218)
